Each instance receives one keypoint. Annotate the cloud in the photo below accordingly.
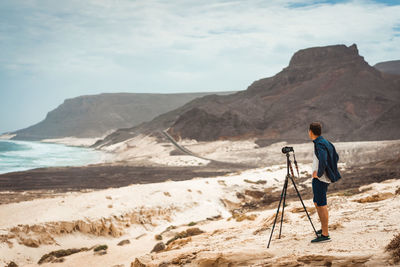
(211, 45)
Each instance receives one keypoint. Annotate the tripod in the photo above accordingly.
(286, 150)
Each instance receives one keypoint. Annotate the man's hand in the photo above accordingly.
(314, 174)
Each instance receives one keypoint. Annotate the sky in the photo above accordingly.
(53, 50)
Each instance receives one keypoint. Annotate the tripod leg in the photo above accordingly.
(301, 200)
(283, 206)
(277, 211)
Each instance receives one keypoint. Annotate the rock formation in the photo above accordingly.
(97, 115)
(332, 84)
(390, 67)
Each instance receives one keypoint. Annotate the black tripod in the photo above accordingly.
(286, 151)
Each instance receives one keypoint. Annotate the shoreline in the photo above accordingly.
(31, 155)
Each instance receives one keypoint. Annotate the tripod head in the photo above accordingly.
(287, 149)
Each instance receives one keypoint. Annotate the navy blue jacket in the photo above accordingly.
(327, 157)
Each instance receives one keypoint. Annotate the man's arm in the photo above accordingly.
(314, 166)
(322, 156)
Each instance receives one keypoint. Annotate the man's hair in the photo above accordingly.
(316, 128)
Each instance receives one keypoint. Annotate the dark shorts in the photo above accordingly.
(319, 190)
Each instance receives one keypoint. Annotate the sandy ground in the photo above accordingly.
(138, 212)
(247, 151)
(151, 151)
(6, 136)
(27, 185)
(234, 209)
(166, 203)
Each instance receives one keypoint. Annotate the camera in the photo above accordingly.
(287, 149)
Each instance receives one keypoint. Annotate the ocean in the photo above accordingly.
(25, 155)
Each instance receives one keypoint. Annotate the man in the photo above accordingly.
(324, 172)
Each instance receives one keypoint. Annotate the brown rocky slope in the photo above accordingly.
(331, 84)
(96, 115)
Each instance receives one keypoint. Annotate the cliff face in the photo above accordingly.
(333, 85)
(95, 115)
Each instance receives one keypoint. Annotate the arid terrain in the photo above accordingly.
(198, 210)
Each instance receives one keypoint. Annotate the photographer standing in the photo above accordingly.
(325, 171)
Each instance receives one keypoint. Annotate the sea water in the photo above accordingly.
(25, 155)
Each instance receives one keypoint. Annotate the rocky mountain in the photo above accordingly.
(390, 67)
(332, 84)
(95, 115)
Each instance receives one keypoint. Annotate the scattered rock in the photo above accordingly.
(189, 232)
(255, 182)
(11, 264)
(158, 237)
(375, 197)
(222, 182)
(254, 193)
(30, 242)
(52, 256)
(101, 247)
(194, 231)
(139, 262)
(124, 242)
(158, 247)
(184, 259)
(167, 194)
(394, 248)
(310, 210)
(100, 252)
(5, 239)
(178, 243)
(239, 216)
(240, 195)
(240, 258)
(230, 205)
(213, 218)
(325, 260)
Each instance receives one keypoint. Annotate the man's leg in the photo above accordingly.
(319, 190)
(323, 217)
